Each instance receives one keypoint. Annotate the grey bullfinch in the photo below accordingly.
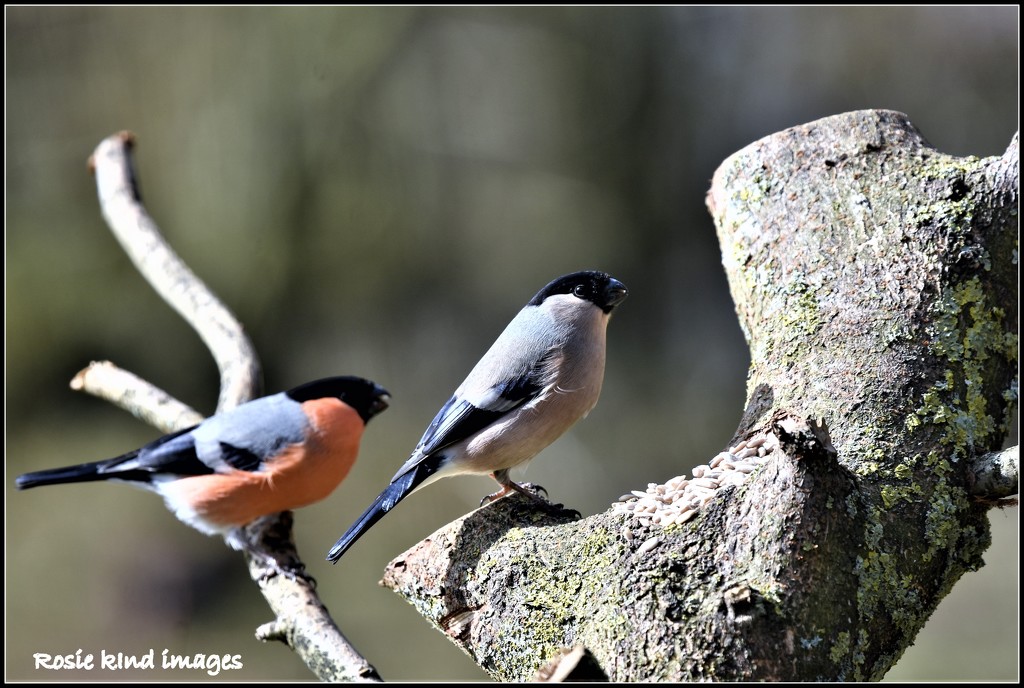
(271, 454)
(541, 375)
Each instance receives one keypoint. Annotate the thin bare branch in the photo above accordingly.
(142, 399)
(140, 237)
(302, 620)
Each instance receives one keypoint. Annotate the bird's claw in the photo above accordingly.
(533, 492)
(527, 490)
(535, 488)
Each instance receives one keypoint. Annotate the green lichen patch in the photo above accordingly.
(884, 588)
(850, 653)
(802, 316)
(966, 330)
(942, 525)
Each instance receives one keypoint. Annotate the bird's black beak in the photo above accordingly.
(614, 294)
(380, 402)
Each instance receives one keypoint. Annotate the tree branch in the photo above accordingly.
(121, 204)
(994, 475)
(302, 620)
(143, 400)
(876, 283)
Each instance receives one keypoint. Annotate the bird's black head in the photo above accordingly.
(366, 397)
(601, 289)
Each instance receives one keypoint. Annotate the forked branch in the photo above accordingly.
(302, 620)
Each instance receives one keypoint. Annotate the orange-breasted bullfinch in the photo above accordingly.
(541, 375)
(271, 454)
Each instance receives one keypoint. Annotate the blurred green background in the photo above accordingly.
(377, 191)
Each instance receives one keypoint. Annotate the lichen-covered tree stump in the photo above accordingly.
(876, 282)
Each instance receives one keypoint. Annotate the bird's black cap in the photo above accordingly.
(600, 288)
(366, 397)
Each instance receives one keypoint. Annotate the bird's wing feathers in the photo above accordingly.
(245, 437)
(174, 454)
(239, 458)
(240, 439)
(457, 420)
(179, 454)
(463, 415)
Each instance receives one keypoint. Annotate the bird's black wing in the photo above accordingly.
(459, 418)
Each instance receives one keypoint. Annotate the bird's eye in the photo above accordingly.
(580, 291)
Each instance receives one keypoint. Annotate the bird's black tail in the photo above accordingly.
(174, 453)
(400, 488)
(82, 473)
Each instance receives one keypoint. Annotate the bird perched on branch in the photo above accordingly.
(275, 453)
(541, 375)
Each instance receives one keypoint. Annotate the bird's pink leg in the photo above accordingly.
(507, 485)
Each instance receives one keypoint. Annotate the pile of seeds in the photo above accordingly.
(679, 500)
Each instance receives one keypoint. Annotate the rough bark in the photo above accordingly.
(876, 282)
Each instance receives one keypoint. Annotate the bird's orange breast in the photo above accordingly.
(299, 475)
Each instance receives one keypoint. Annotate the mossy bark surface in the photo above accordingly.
(876, 282)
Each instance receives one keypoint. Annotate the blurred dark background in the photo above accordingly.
(377, 191)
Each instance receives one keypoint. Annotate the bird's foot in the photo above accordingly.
(528, 489)
(534, 493)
